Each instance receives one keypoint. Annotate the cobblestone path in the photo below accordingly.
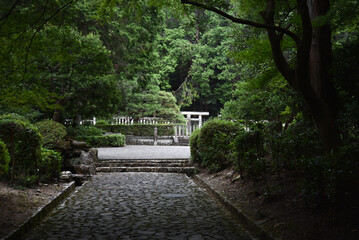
(139, 206)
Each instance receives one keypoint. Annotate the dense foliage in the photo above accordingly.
(111, 140)
(4, 160)
(53, 133)
(213, 143)
(84, 131)
(50, 165)
(24, 143)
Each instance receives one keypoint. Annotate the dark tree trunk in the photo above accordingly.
(321, 78)
(56, 116)
(311, 77)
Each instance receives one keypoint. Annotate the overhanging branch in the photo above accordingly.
(6, 16)
(40, 28)
(244, 21)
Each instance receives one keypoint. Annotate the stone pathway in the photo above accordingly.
(144, 152)
(139, 206)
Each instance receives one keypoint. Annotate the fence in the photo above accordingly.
(181, 130)
(144, 120)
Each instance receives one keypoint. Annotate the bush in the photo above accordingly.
(50, 164)
(4, 159)
(28, 181)
(24, 144)
(141, 129)
(214, 143)
(193, 143)
(13, 116)
(249, 155)
(81, 132)
(115, 140)
(333, 178)
(53, 133)
(286, 148)
(102, 123)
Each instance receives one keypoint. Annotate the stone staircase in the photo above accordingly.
(146, 165)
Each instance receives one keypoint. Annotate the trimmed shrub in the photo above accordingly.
(50, 164)
(53, 133)
(249, 154)
(24, 144)
(114, 140)
(193, 143)
(81, 132)
(4, 159)
(102, 123)
(214, 143)
(141, 129)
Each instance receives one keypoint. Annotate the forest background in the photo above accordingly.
(76, 59)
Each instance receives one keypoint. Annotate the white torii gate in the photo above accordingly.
(190, 119)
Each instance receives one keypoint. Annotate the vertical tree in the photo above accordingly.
(309, 74)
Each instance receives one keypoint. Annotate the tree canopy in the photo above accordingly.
(255, 60)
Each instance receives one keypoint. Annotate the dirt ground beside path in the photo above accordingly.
(275, 205)
(278, 208)
(19, 204)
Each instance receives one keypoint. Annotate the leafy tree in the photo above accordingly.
(51, 68)
(306, 24)
(200, 78)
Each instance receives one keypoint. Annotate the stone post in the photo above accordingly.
(188, 129)
(155, 136)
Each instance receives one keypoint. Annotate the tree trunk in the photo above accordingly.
(12, 156)
(56, 116)
(311, 77)
(321, 79)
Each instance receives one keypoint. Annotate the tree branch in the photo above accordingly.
(244, 21)
(8, 14)
(303, 51)
(275, 40)
(39, 29)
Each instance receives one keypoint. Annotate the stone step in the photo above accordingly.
(141, 164)
(186, 170)
(182, 161)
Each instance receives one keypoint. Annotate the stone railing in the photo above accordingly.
(144, 120)
(194, 121)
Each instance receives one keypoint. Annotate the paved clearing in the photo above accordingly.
(144, 152)
(139, 206)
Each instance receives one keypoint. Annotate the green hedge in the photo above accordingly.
(214, 143)
(115, 140)
(24, 144)
(81, 132)
(50, 164)
(193, 143)
(4, 159)
(53, 133)
(140, 129)
(249, 156)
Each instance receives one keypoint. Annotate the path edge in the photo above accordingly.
(38, 216)
(250, 225)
